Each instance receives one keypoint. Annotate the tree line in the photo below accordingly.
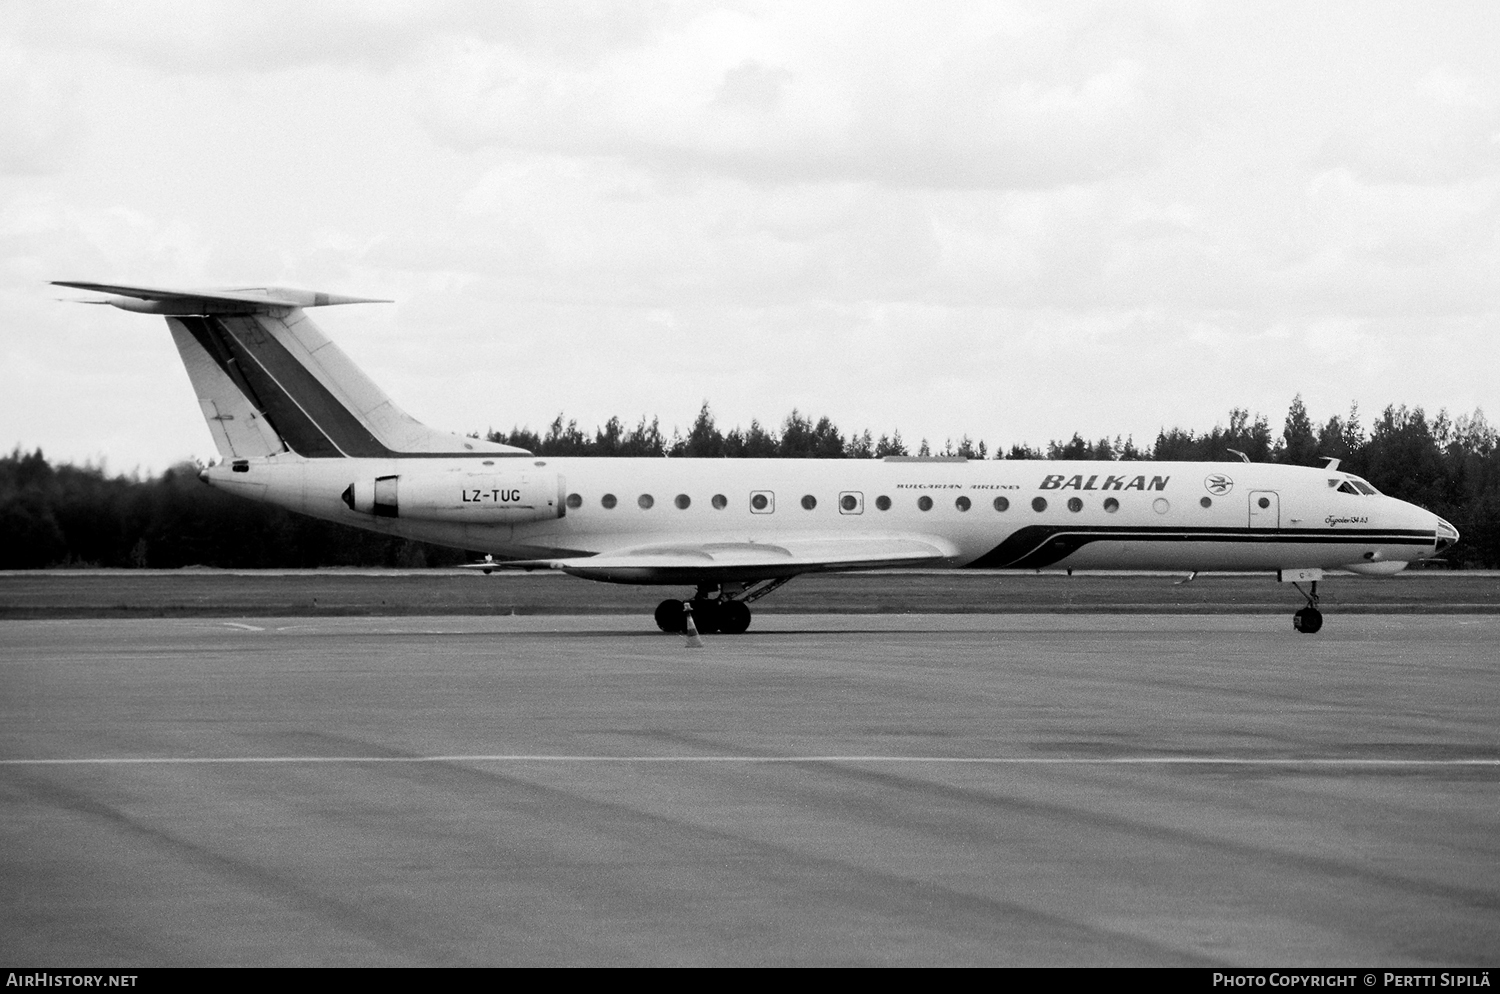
(70, 515)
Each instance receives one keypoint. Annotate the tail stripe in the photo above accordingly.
(267, 380)
(329, 420)
(288, 417)
(214, 346)
(310, 419)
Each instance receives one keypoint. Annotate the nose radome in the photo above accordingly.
(1447, 535)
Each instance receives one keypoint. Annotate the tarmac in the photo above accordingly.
(1044, 789)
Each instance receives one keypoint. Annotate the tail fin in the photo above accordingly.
(269, 381)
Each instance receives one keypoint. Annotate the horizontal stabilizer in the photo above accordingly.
(229, 300)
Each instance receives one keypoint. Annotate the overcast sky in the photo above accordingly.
(1010, 220)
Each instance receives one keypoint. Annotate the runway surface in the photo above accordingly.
(934, 789)
(198, 593)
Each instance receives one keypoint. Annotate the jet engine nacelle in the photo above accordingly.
(478, 498)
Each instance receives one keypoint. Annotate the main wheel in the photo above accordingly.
(670, 616)
(1308, 620)
(705, 616)
(734, 617)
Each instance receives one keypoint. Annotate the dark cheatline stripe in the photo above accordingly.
(1040, 546)
(330, 419)
(283, 417)
(297, 429)
(213, 344)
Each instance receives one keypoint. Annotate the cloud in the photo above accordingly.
(43, 239)
(37, 113)
(1005, 97)
(217, 37)
(589, 229)
(1443, 129)
(1008, 219)
(230, 38)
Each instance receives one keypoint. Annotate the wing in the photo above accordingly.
(706, 562)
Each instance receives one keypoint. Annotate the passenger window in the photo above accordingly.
(1039, 505)
(1002, 503)
(809, 502)
(1161, 505)
(682, 501)
(719, 502)
(762, 502)
(851, 502)
(645, 501)
(924, 503)
(963, 504)
(1111, 505)
(883, 502)
(608, 500)
(1075, 504)
(1207, 502)
(574, 502)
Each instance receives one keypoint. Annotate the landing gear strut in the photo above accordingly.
(716, 608)
(1308, 619)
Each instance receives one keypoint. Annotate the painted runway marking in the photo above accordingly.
(1314, 761)
(236, 624)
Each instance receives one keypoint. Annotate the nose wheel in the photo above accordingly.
(1309, 619)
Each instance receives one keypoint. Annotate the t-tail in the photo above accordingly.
(270, 382)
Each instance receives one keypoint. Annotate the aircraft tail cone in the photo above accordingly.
(694, 640)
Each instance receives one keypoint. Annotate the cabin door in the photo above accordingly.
(1265, 509)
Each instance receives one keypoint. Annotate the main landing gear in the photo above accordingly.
(715, 608)
(709, 616)
(1309, 619)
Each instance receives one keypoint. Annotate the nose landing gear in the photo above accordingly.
(1309, 619)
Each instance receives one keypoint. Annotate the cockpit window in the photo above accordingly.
(1354, 485)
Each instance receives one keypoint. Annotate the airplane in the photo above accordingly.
(299, 425)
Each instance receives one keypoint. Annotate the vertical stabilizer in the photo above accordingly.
(269, 381)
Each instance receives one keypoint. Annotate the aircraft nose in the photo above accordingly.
(1446, 535)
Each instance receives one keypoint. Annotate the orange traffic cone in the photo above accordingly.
(694, 640)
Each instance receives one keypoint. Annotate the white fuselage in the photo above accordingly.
(1096, 515)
